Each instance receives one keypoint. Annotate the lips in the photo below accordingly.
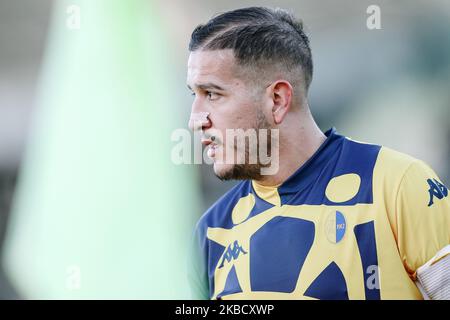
(211, 147)
(212, 151)
(206, 142)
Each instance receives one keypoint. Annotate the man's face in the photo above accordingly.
(231, 103)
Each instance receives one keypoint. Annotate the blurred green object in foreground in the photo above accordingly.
(100, 210)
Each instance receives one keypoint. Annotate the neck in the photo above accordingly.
(298, 142)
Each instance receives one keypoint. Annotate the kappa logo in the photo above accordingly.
(232, 253)
(437, 190)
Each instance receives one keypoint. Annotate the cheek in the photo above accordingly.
(242, 114)
(235, 121)
(234, 114)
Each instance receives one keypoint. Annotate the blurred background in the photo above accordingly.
(91, 205)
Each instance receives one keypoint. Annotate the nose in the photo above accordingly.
(199, 121)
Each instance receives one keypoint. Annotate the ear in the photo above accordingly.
(281, 94)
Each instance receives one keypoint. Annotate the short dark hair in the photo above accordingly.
(258, 35)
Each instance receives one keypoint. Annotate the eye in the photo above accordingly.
(212, 95)
(193, 94)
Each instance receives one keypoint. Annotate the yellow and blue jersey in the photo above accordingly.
(354, 222)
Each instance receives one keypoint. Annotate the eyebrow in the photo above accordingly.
(206, 86)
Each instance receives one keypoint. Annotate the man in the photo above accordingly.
(338, 219)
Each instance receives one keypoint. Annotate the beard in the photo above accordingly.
(249, 171)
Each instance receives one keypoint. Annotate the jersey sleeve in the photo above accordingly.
(197, 273)
(423, 216)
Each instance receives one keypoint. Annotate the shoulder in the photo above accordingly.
(395, 166)
(385, 160)
(219, 214)
(405, 183)
(382, 170)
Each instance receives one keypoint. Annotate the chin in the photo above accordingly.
(223, 171)
(237, 172)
